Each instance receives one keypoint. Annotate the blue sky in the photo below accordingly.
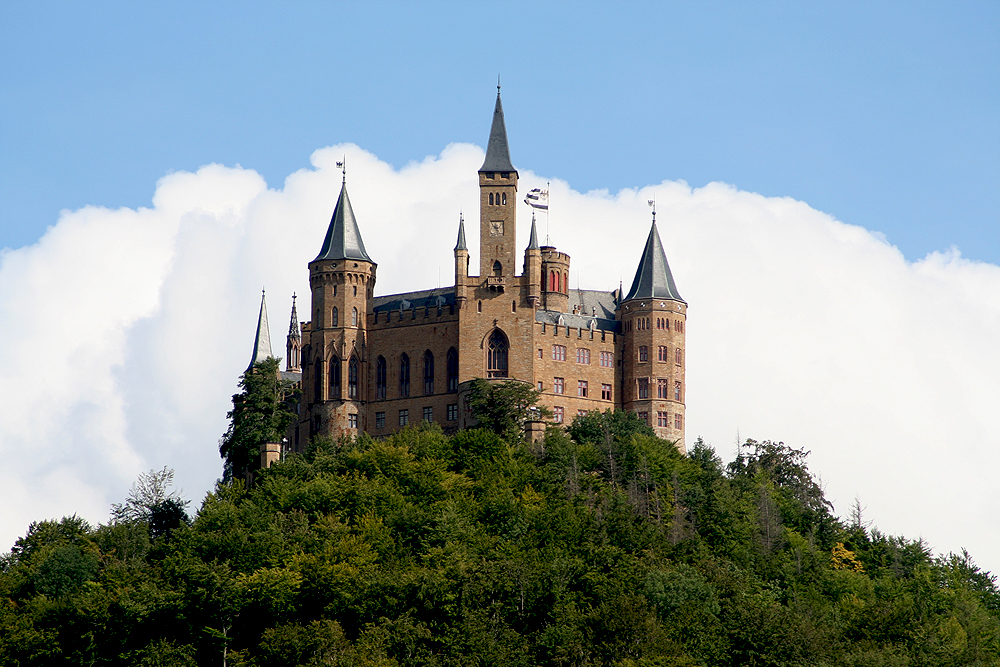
(885, 116)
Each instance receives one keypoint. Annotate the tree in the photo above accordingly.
(504, 407)
(149, 502)
(260, 414)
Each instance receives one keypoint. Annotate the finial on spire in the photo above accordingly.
(498, 83)
(652, 202)
(343, 168)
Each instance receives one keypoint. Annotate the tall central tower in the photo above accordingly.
(497, 206)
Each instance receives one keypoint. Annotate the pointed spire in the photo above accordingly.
(653, 279)
(293, 325)
(460, 245)
(343, 238)
(262, 341)
(533, 241)
(497, 152)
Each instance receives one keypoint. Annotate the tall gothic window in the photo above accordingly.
(452, 370)
(380, 378)
(334, 377)
(428, 373)
(318, 381)
(335, 318)
(496, 355)
(404, 376)
(354, 317)
(352, 378)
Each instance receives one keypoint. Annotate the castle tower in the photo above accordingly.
(497, 207)
(461, 266)
(533, 267)
(653, 317)
(293, 343)
(262, 339)
(335, 365)
(555, 279)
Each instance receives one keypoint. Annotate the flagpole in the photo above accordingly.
(547, 198)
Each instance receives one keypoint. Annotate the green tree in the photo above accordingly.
(504, 407)
(149, 502)
(260, 414)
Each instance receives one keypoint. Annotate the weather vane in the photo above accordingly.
(343, 167)
(652, 203)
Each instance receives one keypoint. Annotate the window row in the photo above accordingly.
(662, 354)
(663, 389)
(335, 317)
(427, 415)
(663, 419)
(582, 388)
(555, 281)
(645, 323)
(335, 378)
(381, 368)
(559, 414)
(582, 356)
(499, 200)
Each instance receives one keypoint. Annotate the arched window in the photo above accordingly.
(513, 306)
(480, 306)
(380, 378)
(491, 199)
(565, 284)
(318, 381)
(545, 283)
(557, 289)
(452, 370)
(335, 290)
(335, 318)
(404, 376)
(496, 355)
(352, 378)
(505, 199)
(355, 290)
(428, 373)
(354, 317)
(334, 377)
(497, 269)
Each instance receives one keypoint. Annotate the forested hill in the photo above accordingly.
(600, 546)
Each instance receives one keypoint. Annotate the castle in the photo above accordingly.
(374, 364)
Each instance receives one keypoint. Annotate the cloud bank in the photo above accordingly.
(125, 330)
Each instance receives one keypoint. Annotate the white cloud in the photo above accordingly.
(125, 331)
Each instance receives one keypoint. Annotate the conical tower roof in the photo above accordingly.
(497, 152)
(533, 240)
(460, 244)
(262, 340)
(343, 238)
(293, 324)
(653, 279)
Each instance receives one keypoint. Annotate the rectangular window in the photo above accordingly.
(643, 387)
(644, 416)
(661, 353)
(663, 419)
(379, 420)
(679, 326)
(582, 355)
(558, 385)
(677, 390)
(404, 417)
(540, 385)
(662, 389)
(540, 353)
(678, 421)
(557, 414)
(352, 421)
(559, 353)
(666, 324)
(428, 414)
(608, 359)
(453, 412)
(605, 392)
(678, 355)
(643, 353)
(581, 388)
(581, 413)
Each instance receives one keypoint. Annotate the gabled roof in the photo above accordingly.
(497, 152)
(343, 238)
(262, 340)
(653, 279)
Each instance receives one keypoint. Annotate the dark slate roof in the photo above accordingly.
(596, 309)
(653, 278)
(343, 239)
(291, 376)
(443, 296)
(262, 340)
(460, 245)
(533, 241)
(497, 152)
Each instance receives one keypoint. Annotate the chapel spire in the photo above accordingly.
(497, 151)
(343, 238)
(262, 340)
(653, 279)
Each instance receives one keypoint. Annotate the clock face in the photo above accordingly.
(496, 228)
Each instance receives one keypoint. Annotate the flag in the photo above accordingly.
(537, 199)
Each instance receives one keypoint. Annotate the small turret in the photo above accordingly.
(461, 265)
(533, 266)
(293, 343)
